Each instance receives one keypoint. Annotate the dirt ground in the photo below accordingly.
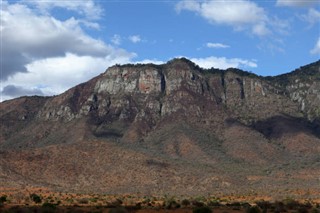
(86, 209)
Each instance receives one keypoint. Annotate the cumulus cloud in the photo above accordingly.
(27, 36)
(223, 63)
(216, 45)
(241, 14)
(316, 49)
(38, 47)
(296, 3)
(57, 74)
(135, 38)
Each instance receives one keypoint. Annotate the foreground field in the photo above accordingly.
(40, 200)
(276, 207)
(20, 209)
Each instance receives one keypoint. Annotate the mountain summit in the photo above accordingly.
(168, 129)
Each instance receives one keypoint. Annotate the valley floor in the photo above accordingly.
(40, 200)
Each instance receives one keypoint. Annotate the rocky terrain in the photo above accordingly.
(169, 129)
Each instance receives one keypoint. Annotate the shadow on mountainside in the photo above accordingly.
(279, 126)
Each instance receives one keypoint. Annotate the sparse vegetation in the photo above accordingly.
(185, 202)
(197, 203)
(49, 206)
(253, 209)
(93, 200)
(3, 199)
(115, 203)
(124, 204)
(291, 203)
(83, 201)
(171, 204)
(202, 209)
(264, 204)
(35, 198)
(213, 203)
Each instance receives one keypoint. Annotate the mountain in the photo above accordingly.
(173, 128)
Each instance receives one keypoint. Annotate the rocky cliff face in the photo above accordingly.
(149, 93)
(130, 90)
(219, 124)
(303, 86)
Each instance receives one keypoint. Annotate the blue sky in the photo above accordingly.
(49, 46)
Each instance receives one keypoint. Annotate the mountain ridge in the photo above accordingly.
(173, 128)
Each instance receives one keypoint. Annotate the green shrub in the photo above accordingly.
(171, 204)
(197, 203)
(202, 209)
(291, 203)
(35, 198)
(83, 201)
(49, 205)
(264, 204)
(245, 205)
(185, 202)
(93, 200)
(115, 203)
(214, 203)
(3, 198)
(279, 207)
(253, 209)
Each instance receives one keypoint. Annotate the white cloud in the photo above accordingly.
(316, 49)
(88, 8)
(312, 17)
(27, 36)
(189, 5)
(41, 49)
(223, 63)
(150, 61)
(240, 14)
(281, 26)
(296, 3)
(217, 45)
(134, 38)
(260, 29)
(116, 39)
(57, 74)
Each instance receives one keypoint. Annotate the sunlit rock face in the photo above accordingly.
(133, 92)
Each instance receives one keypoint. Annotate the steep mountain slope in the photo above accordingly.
(168, 129)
